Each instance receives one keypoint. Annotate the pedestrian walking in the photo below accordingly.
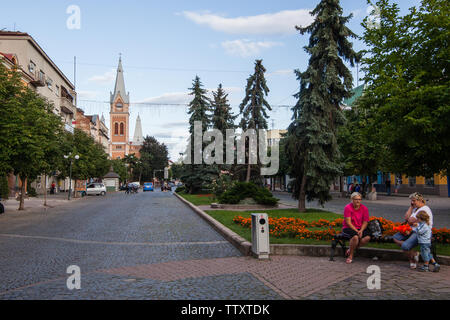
(53, 188)
(388, 186)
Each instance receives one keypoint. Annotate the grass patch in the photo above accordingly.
(198, 199)
(226, 218)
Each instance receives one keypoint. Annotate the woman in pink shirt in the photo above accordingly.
(356, 218)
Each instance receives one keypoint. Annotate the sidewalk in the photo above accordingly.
(36, 204)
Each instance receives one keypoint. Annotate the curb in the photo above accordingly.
(240, 243)
(301, 249)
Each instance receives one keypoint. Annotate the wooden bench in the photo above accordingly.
(342, 238)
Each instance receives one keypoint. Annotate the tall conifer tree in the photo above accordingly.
(198, 175)
(312, 144)
(253, 107)
(222, 117)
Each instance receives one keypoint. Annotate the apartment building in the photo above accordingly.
(41, 73)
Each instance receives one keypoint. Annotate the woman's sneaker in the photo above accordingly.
(424, 269)
(437, 267)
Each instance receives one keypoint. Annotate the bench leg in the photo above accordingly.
(333, 248)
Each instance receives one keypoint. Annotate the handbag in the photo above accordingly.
(375, 228)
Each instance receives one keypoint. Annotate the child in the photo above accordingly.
(423, 231)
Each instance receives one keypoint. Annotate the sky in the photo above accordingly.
(164, 45)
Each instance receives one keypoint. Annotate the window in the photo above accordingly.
(122, 129)
(32, 67)
(41, 76)
(116, 128)
(412, 181)
(57, 91)
(49, 83)
(118, 147)
(119, 105)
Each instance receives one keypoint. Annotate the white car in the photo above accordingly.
(96, 189)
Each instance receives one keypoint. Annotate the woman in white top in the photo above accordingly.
(409, 242)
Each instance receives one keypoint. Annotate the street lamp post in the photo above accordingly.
(70, 172)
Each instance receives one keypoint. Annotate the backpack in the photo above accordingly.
(375, 228)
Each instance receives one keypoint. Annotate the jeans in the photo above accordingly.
(425, 251)
(409, 241)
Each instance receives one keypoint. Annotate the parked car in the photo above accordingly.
(96, 189)
(148, 186)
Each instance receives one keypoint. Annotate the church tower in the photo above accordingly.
(136, 144)
(119, 118)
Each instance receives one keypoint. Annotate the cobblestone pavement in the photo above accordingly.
(392, 208)
(151, 246)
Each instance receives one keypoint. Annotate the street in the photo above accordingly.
(152, 246)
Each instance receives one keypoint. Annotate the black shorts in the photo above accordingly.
(351, 233)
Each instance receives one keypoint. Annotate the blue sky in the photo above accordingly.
(164, 45)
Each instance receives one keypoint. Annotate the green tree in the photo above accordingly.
(222, 118)
(198, 176)
(312, 143)
(406, 71)
(254, 109)
(37, 128)
(154, 156)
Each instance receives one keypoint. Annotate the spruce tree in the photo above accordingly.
(253, 107)
(197, 176)
(222, 117)
(312, 144)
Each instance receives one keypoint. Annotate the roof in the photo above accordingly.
(8, 56)
(26, 36)
(138, 137)
(119, 88)
(356, 93)
(111, 174)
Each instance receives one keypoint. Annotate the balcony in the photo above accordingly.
(38, 79)
(67, 106)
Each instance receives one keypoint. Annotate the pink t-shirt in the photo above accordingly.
(358, 216)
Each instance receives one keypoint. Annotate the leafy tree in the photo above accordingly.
(254, 108)
(120, 168)
(312, 144)
(93, 161)
(10, 90)
(154, 156)
(407, 96)
(37, 129)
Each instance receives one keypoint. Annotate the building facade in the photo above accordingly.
(42, 75)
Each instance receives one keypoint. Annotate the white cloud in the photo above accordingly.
(170, 98)
(282, 22)
(184, 98)
(246, 48)
(90, 95)
(105, 78)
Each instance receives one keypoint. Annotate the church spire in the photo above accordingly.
(138, 138)
(119, 88)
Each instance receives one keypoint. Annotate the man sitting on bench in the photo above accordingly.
(356, 219)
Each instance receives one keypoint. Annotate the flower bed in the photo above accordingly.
(301, 229)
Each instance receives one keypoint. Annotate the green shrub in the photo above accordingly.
(180, 189)
(242, 190)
